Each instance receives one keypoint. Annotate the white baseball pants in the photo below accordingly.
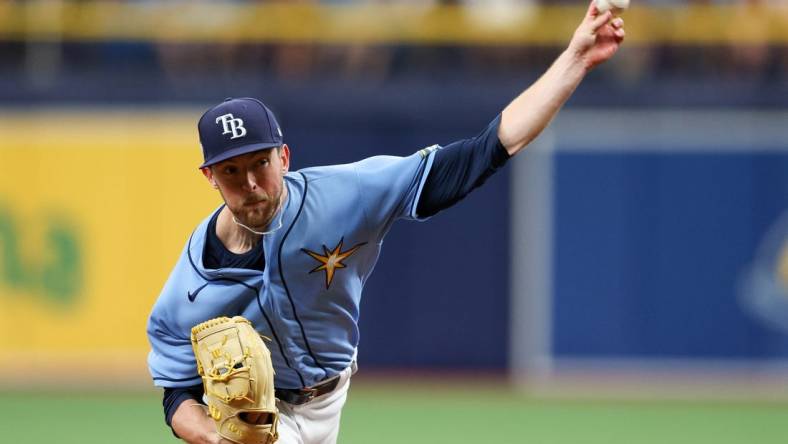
(317, 421)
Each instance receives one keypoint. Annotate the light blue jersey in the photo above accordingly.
(307, 299)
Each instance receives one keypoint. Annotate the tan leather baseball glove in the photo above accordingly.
(238, 377)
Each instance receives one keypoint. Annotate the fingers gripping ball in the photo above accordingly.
(617, 6)
(238, 377)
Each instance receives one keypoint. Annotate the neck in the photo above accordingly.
(235, 238)
(239, 238)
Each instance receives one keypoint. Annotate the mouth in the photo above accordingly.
(254, 203)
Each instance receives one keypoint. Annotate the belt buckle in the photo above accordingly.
(309, 392)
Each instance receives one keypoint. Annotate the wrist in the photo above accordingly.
(574, 62)
(209, 437)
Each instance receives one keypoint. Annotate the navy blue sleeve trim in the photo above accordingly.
(459, 168)
(174, 397)
(177, 379)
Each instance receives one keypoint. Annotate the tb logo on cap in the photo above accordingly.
(232, 125)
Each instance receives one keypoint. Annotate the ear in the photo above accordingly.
(208, 173)
(284, 156)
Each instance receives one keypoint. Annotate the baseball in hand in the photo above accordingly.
(617, 6)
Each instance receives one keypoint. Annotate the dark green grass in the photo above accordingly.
(400, 413)
(495, 416)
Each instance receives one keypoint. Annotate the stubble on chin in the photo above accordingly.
(258, 218)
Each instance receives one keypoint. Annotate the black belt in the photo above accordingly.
(306, 394)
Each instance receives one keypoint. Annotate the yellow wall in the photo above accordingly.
(95, 207)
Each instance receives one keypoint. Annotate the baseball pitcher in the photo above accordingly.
(255, 332)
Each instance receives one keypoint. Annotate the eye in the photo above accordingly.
(263, 162)
(230, 170)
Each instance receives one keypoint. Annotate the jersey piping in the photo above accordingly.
(259, 304)
(284, 282)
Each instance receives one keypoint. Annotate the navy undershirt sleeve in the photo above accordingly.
(174, 397)
(459, 168)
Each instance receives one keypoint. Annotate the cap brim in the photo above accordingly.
(243, 149)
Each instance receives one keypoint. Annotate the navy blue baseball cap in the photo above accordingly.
(235, 127)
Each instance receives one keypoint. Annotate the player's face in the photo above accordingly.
(252, 184)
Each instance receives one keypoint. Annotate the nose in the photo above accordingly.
(251, 181)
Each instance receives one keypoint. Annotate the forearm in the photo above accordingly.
(192, 425)
(528, 114)
(596, 40)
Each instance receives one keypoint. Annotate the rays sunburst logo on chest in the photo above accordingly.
(332, 259)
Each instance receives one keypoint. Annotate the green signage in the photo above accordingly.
(55, 272)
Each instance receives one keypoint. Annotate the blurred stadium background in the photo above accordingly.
(624, 281)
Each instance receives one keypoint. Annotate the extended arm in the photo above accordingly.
(464, 165)
(595, 41)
